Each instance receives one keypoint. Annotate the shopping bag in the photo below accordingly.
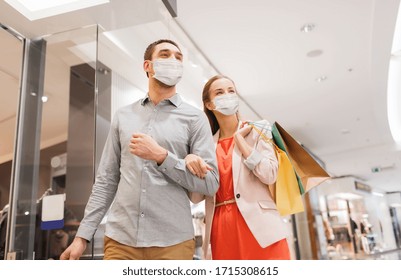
(285, 190)
(287, 195)
(309, 173)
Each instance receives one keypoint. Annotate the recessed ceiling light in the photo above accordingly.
(314, 53)
(345, 131)
(38, 9)
(377, 193)
(347, 196)
(308, 27)
(44, 98)
(321, 79)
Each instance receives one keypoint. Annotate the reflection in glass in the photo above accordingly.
(67, 132)
(10, 74)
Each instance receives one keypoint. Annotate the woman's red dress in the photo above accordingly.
(231, 238)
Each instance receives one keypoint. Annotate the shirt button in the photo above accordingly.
(143, 190)
(238, 195)
(164, 169)
(142, 215)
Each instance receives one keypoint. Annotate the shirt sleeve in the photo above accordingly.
(105, 186)
(201, 144)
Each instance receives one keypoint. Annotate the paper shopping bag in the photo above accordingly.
(287, 195)
(309, 173)
(285, 191)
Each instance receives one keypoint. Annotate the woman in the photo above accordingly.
(242, 221)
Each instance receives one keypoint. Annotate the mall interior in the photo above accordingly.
(327, 71)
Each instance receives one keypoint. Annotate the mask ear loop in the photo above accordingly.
(238, 117)
(238, 114)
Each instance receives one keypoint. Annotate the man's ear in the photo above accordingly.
(147, 67)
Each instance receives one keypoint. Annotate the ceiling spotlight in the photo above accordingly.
(345, 131)
(314, 53)
(308, 27)
(321, 79)
(44, 99)
(103, 71)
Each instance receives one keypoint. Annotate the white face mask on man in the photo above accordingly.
(227, 104)
(168, 71)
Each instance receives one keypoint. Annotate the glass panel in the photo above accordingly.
(10, 75)
(68, 133)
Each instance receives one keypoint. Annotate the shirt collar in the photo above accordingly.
(175, 100)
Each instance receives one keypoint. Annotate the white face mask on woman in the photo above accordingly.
(227, 104)
(168, 71)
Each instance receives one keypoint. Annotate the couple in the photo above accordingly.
(160, 152)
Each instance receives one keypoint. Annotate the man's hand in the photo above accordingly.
(196, 165)
(144, 146)
(75, 250)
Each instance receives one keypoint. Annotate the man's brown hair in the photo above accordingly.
(151, 48)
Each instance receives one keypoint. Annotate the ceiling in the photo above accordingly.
(276, 67)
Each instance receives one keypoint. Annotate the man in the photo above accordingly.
(142, 170)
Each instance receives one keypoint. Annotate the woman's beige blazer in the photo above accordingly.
(251, 179)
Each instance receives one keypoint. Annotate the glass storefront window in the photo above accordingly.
(55, 141)
(67, 144)
(10, 75)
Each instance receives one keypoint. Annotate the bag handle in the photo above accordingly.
(263, 136)
(271, 188)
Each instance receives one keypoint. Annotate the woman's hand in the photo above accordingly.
(196, 165)
(244, 130)
(239, 138)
